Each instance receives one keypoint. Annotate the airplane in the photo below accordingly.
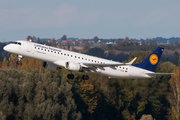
(55, 58)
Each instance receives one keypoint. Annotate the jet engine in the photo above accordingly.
(73, 67)
(50, 66)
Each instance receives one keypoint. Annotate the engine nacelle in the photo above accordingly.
(73, 66)
(50, 66)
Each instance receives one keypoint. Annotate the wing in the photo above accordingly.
(100, 66)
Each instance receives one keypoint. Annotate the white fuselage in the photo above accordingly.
(52, 54)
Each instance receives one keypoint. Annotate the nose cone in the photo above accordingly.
(6, 48)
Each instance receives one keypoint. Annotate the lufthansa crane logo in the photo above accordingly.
(153, 59)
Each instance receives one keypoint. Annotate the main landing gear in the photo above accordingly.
(85, 77)
(19, 59)
(71, 76)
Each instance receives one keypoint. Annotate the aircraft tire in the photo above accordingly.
(70, 76)
(85, 77)
(19, 62)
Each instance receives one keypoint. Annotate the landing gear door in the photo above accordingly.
(29, 46)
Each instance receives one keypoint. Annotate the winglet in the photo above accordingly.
(131, 62)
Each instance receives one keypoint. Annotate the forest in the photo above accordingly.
(31, 92)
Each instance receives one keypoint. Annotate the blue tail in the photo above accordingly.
(150, 63)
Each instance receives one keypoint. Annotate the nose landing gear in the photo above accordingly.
(19, 59)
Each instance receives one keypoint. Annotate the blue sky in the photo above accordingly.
(86, 19)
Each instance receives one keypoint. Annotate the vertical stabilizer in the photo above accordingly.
(150, 63)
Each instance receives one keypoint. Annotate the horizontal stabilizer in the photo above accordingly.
(160, 73)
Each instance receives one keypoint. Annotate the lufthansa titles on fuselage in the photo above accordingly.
(47, 47)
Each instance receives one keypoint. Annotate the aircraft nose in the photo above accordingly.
(6, 48)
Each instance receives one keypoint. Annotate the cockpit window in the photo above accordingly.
(19, 43)
(16, 43)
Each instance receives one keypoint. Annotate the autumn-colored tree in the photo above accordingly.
(13, 61)
(0, 64)
(5, 63)
(175, 97)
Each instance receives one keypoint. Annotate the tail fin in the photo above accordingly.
(150, 63)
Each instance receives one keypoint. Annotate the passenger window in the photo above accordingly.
(78, 57)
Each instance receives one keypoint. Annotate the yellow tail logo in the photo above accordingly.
(153, 59)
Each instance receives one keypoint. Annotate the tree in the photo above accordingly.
(89, 96)
(64, 37)
(5, 63)
(54, 42)
(119, 40)
(29, 37)
(87, 46)
(179, 62)
(38, 40)
(35, 96)
(96, 52)
(175, 99)
(13, 61)
(68, 45)
(127, 39)
(34, 39)
(95, 39)
(0, 65)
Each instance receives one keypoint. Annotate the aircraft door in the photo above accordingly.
(29, 46)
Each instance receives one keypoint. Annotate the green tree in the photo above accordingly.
(54, 42)
(95, 39)
(29, 37)
(89, 96)
(64, 37)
